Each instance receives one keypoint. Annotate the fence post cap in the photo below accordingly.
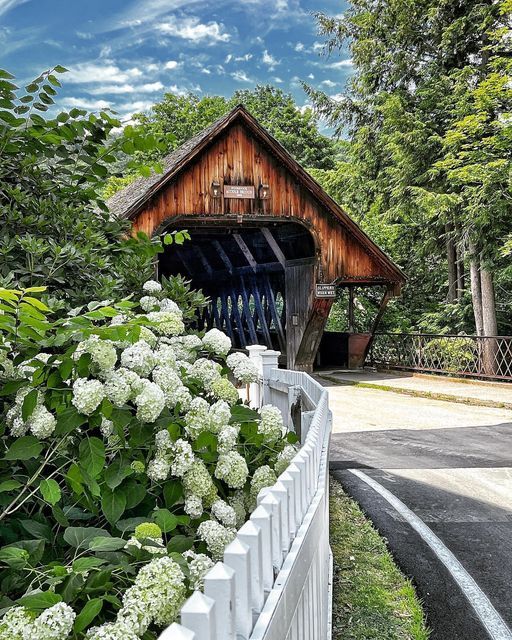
(265, 497)
(286, 476)
(198, 603)
(176, 632)
(237, 547)
(256, 349)
(258, 513)
(249, 528)
(220, 571)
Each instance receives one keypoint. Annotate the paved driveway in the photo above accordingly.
(436, 479)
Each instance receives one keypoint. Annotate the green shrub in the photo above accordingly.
(127, 463)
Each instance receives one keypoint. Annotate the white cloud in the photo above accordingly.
(299, 46)
(7, 5)
(342, 63)
(206, 71)
(85, 72)
(85, 103)
(245, 58)
(269, 60)
(318, 46)
(338, 97)
(194, 30)
(240, 76)
(311, 76)
(329, 83)
(171, 64)
(84, 36)
(228, 59)
(277, 80)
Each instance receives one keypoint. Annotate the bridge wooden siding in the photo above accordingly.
(236, 150)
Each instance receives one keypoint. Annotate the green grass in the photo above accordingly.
(372, 599)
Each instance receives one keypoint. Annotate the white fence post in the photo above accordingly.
(251, 535)
(287, 480)
(262, 517)
(269, 360)
(198, 615)
(219, 584)
(270, 502)
(255, 351)
(237, 555)
(279, 491)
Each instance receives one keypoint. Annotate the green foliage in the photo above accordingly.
(81, 510)
(178, 118)
(55, 229)
(429, 163)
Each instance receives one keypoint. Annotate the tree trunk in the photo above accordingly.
(451, 256)
(476, 289)
(490, 363)
(461, 275)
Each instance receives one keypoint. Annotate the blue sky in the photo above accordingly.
(125, 54)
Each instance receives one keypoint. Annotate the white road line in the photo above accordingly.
(490, 618)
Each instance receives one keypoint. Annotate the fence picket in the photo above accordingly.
(251, 535)
(237, 555)
(198, 615)
(263, 519)
(219, 584)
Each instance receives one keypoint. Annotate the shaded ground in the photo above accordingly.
(451, 464)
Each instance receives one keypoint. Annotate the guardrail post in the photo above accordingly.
(219, 584)
(198, 615)
(255, 351)
(262, 517)
(237, 555)
(269, 361)
(251, 535)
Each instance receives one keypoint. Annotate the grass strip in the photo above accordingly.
(372, 599)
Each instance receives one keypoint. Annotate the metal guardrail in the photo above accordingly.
(472, 356)
(276, 577)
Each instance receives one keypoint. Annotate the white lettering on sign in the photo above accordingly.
(325, 291)
(239, 191)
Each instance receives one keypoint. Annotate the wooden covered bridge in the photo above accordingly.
(268, 245)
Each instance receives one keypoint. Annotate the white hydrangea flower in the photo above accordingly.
(227, 438)
(198, 565)
(165, 356)
(54, 623)
(167, 323)
(112, 631)
(133, 379)
(166, 304)
(183, 397)
(197, 418)
(224, 389)
(243, 368)
(121, 318)
(284, 458)
(237, 501)
(217, 342)
(152, 286)
(183, 457)
(169, 381)
(193, 506)
(205, 372)
(224, 513)
(148, 336)
(163, 442)
(216, 536)
(41, 423)
(106, 427)
(103, 352)
(14, 623)
(138, 357)
(87, 395)
(232, 468)
(17, 426)
(117, 388)
(158, 469)
(197, 480)
(263, 477)
(150, 402)
(271, 424)
(149, 303)
(156, 596)
(219, 415)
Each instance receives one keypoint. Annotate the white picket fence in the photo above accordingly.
(276, 577)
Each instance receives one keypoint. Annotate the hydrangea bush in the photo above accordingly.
(128, 463)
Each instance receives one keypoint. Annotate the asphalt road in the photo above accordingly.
(450, 466)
